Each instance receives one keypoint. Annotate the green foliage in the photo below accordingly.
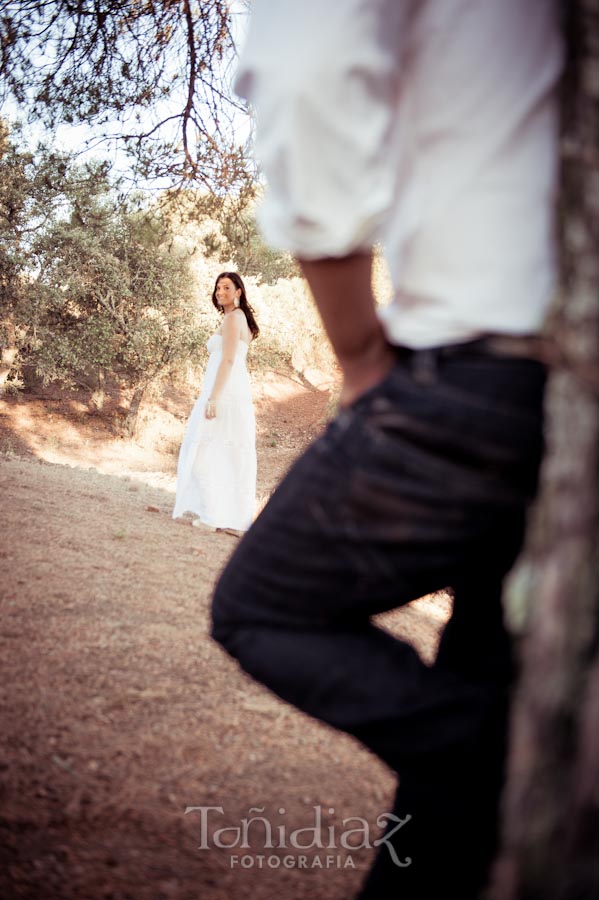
(224, 229)
(91, 284)
(98, 288)
(241, 242)
(29, 196)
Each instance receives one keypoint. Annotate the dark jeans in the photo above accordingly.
(422, 484)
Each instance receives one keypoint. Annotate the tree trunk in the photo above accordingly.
(8, 354)
(551, 804)
(130, 424)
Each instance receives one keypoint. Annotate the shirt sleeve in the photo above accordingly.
(324, 82)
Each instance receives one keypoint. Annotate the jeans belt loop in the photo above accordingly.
(424, 365)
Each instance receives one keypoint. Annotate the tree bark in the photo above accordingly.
(551, 804)
(130, 424)
(8, 353)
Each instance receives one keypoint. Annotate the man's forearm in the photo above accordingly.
(342, 289)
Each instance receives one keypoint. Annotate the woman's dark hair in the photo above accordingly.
(243, 301)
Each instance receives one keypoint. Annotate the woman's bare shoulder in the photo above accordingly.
(244, 328)
(232, 320)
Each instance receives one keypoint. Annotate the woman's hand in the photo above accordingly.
(211, 409)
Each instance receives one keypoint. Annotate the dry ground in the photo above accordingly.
(118, 711)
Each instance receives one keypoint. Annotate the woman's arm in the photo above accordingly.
(231, 335)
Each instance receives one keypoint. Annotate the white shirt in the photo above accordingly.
(429, 126)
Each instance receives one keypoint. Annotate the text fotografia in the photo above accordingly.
(353, 833)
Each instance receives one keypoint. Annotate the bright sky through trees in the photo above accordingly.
(147, 87)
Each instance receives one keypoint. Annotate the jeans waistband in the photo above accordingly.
(425, 361)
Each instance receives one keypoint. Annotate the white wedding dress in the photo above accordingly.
(216, 474)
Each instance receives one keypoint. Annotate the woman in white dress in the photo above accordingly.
(216, 475)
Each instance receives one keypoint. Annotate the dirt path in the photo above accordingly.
(118, 711)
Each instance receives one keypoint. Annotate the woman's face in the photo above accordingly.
(226, 293)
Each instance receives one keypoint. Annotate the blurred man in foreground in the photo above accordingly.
(429, 127)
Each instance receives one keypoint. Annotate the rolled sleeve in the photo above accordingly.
(323, 81)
